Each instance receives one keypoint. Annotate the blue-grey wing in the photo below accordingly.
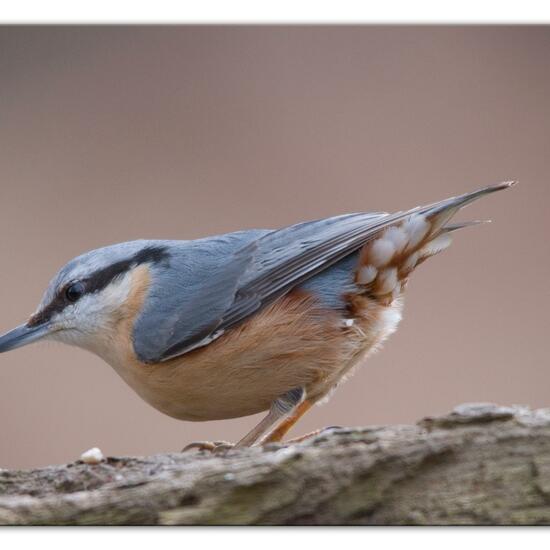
(218, 282)
(189, 295)
(288, 257)
(215, 283)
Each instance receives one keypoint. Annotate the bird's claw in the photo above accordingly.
(310, 435)
(215, 447)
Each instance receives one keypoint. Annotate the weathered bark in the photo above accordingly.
(480, 464)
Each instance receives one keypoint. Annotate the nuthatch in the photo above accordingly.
(257, 320)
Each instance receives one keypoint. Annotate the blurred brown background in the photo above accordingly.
(110, 134)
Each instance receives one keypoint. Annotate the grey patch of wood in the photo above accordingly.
(480, 464)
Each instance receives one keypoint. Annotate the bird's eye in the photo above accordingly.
(74, 291)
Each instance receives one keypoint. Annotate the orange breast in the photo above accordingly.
(293, 342)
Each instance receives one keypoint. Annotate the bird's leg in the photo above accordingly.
(280, 431)
(282, 415)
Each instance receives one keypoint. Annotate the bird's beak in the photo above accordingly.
(23, 335)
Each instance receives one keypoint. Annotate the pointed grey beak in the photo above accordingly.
(23, 335)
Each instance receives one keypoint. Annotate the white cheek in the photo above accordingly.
(68, 336)
(116, 294)
(81, 323)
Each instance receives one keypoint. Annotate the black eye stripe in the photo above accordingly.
(99, 280)
(102, 277)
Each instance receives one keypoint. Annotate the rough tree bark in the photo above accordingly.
(480, 464)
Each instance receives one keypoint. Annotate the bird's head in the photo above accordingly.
(89, 296)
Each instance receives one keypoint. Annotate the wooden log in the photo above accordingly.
(480, 464)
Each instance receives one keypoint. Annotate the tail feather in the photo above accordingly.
(450, 228)
(386, 261)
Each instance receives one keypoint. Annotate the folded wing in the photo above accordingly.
(269, 266)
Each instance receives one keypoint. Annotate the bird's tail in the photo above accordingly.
(409, 238)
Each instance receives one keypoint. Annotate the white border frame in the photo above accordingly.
(274, 11)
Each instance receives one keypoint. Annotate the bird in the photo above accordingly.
(251, 321)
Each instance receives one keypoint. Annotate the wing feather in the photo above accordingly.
(277, 261)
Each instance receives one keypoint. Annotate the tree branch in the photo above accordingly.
(481, 464)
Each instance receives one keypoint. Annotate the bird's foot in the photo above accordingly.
(310, 435)
(215, 447)
(221, 447)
